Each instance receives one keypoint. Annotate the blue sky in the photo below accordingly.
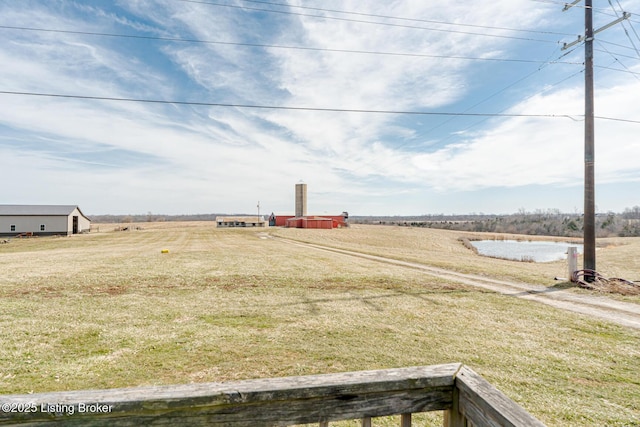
(485, 77)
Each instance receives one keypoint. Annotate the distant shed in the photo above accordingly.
(239, 221)
(42, 220)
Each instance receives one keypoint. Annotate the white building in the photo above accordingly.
(239, 221)
(42, 220)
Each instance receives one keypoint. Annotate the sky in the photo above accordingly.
(402, 107)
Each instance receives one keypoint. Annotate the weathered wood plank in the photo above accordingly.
(452, 416)
(467, 399)
(279, 413)
(484, 405)
(264, 402)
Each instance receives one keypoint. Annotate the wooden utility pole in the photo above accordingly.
(589, 155)
(589, 239)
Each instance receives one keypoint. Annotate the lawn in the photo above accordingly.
(108, 309)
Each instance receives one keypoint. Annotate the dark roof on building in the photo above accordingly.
(239, 219)
(54, 210)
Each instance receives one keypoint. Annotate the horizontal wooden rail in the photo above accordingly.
(466, 397)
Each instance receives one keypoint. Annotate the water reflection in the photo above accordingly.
(524, 250)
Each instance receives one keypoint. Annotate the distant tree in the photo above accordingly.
(632, 213)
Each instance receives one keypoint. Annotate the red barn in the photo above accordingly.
(310, 221)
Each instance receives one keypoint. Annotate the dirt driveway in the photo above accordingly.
(622, 313)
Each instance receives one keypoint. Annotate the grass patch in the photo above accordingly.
(226, 305)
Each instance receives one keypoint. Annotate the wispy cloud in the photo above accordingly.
(136, 157)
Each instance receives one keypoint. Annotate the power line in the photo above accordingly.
(617, 54)
(626, 70)
(625, 28)
(616, 119)
(616, 44)
(602, 11)
(452, 118)
(330, 110)
(430, 21)
(273, 46)
(520, 80)
(276, 107)
(360, 21)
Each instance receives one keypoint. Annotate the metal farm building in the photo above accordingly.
(239, 221)
(42, 220)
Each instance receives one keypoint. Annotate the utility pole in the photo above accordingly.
(589, 239)
(589, 243)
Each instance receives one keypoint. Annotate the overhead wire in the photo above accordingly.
(451, 115)
(602, 11)
(617, 54)
(484, 119)
(625, 28)
(361, 21)
(290, 6)
(430, 21)
(294, 108)
(277, 107)
(513, 84)
(176, 39)
(275, 46)
(302, 48)
(493, 95)
(520, 80)
(263, 45)
(616, 44)
(626, 70)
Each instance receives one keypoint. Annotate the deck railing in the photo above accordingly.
(465, 397)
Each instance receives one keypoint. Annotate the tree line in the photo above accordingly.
(551, 222)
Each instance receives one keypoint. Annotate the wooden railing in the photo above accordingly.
(465, 397)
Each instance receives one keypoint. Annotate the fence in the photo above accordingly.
(465, 397)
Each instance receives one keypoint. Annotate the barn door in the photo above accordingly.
(75, 225)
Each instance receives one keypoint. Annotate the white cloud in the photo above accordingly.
(167, 156)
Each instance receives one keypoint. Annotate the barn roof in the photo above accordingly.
(56, 210)
(240, 218)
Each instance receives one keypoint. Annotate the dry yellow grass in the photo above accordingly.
(108, 309)
(616, 257)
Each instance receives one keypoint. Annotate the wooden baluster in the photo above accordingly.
(324, 423)
(405, 420)
(366, 422)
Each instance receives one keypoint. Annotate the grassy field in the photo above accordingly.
(616, 257)
(108, 309)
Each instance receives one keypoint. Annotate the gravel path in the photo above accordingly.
(622, 313)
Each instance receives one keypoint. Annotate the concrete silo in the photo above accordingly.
(301, 200)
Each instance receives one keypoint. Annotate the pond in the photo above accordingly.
(536, 251)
